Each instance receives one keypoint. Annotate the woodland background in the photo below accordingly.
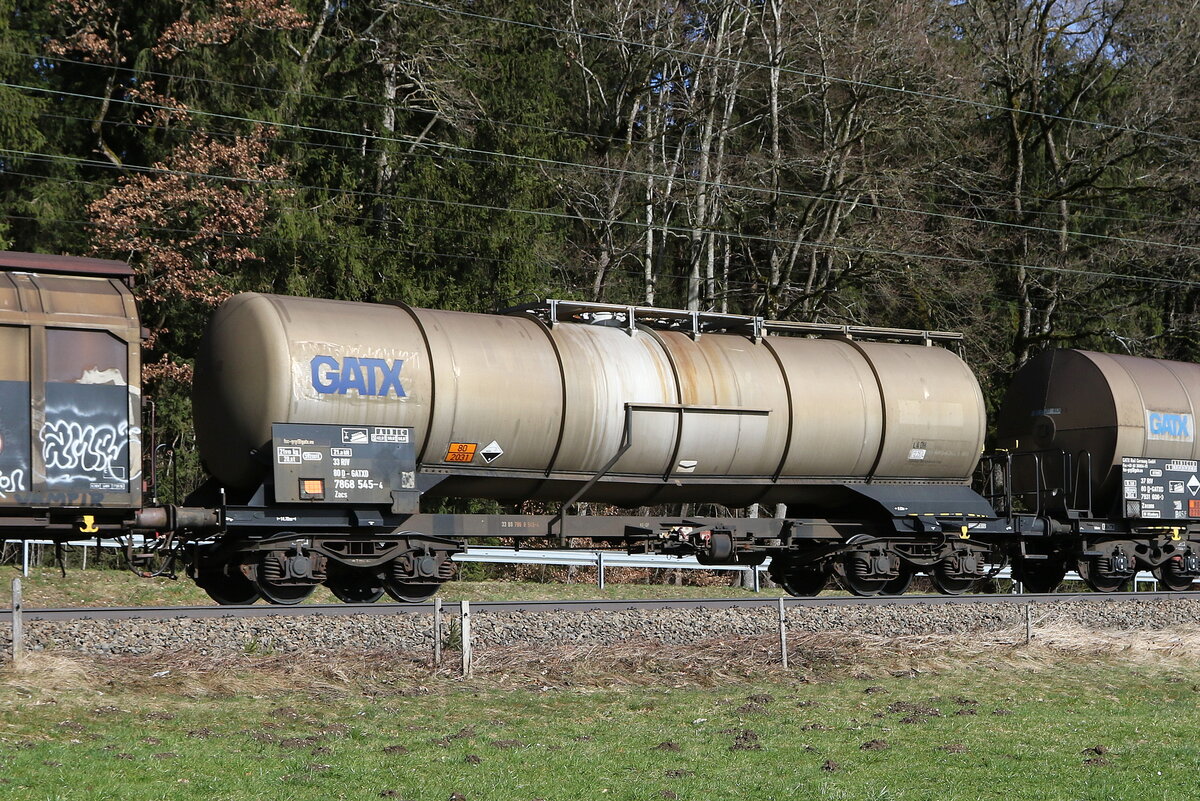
(1020, 170)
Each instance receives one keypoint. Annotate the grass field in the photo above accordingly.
(46, 588)
(1039, 726)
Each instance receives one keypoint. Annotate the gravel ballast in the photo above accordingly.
(411, 631)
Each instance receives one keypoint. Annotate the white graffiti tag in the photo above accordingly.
(91, 449)
(12, 481)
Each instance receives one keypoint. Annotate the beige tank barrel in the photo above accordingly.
(934, 424)
(511, 407)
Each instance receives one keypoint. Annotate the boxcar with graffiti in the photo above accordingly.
(70, 396)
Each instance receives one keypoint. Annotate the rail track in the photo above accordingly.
(383, 609)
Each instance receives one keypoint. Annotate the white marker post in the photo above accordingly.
(783, 648)
(437, 632)
(18, 625)
(466, 638)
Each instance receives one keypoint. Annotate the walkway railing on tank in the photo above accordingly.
(695, 323)
(560, 518)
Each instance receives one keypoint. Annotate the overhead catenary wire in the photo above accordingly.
(366, 248)
(945, 258)
(406, 224)
(582, 134)
(590, 135)
(939, 204)
(730, 285)
(612, 170)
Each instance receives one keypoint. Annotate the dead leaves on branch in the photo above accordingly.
(94, 32)
(188, 222)
(231, 20)
(162, 109)
(167, 370)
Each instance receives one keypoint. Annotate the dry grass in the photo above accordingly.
(48, 672)
(814, 657)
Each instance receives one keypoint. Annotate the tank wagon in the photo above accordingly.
(1103, 448)
(862, 434)
(331, 430)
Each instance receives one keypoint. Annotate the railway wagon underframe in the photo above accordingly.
(341, 509)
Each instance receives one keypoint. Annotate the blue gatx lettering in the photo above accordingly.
(365, 377)
(1171, 425)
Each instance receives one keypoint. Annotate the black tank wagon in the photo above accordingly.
(328, 427)
(1104, 446)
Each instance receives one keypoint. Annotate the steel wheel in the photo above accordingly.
(1169, 576)
(858, 576)
(1089, 572)
(861, 584)
(228, 590)
(356, 592)
(866, 587)
(1038, 576)
(284, 595)
(947, 583)
(900, 584)
(798, 580)
(411, 591)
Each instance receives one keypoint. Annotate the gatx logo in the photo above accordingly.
(1168, 425)
(366, 377)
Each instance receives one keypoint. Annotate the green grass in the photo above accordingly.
(1007, 734)
(46, 588)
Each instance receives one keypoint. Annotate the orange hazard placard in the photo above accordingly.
(1193, 507)
(461, 451)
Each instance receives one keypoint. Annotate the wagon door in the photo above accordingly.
(84, 436)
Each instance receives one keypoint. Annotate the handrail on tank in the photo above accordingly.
(694, 323)
(628, 317)
(627, 443)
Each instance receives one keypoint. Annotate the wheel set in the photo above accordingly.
(288, 577)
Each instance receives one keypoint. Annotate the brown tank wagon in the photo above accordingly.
(1111, 436)
(1107, 405)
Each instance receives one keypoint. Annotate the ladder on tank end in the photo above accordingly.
(694, 323)
(1060, 482)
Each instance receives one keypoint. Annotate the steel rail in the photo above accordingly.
(599, 605)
